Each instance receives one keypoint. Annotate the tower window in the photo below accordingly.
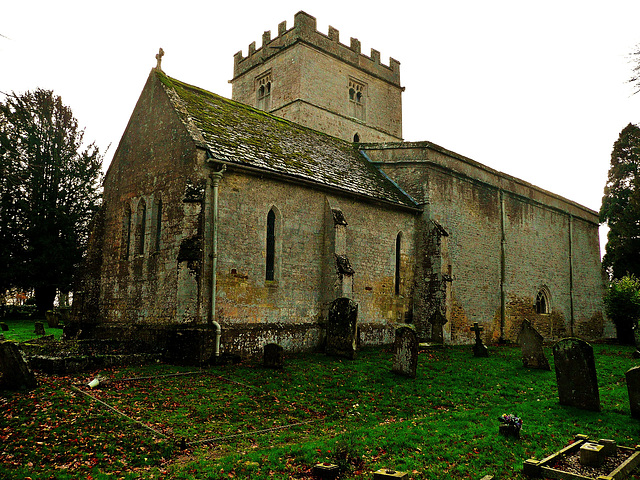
(356, 138)
(263, 93)
(357, 99)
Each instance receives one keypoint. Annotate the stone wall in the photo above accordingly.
(506, 240)
(309, 77)
(169, 280)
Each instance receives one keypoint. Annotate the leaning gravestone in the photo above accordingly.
(405, 352)
(14, 371)
(479, 349)
(576, 374)
(273, 356)
(342, 328)
(633, 386)
(531, 344)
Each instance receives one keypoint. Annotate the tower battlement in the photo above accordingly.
(305, 30)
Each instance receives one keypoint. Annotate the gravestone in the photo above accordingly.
(273, 356)
(633, 386)
(479, 349)
(342, 328)
(531, 344)
(576, 374)
(405, 352)
(4, 326)
(53, 318)
(39, 328)
(14, 371)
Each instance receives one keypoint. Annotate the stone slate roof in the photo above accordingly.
(235, 133)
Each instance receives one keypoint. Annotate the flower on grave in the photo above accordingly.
(511, 420)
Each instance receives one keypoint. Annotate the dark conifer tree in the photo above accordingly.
(49, 190)
(621, 206)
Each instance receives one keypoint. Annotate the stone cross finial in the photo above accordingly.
(159, 56)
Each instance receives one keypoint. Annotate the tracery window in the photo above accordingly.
(542, 302)
(263, 93)
(357, 99)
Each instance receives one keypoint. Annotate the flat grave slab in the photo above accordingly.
(566, 465)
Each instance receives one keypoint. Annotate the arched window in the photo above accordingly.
(356, 138)
(126, 231)
(542, 302)
(263, 93)
(357, 99)
(271, 245)
(158, 225)
(141, 227)
(398, 263)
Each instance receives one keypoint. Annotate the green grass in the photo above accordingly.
(22, 330)
(441, 425)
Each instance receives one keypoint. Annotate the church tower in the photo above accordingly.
(314, 80)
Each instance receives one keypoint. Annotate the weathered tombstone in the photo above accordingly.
(53, 318)
(479, 349)
(531, 344)
(4, 326)
(14, 371)
(342, 328)
(576, 374)
(39, 328)
(405, 352)
(273, 356)
(633, 386)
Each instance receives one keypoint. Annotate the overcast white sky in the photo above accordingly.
(536, 89)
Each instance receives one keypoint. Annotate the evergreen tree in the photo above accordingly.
(621, 206)
(49, 190)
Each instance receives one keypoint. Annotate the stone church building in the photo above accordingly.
(254, 214)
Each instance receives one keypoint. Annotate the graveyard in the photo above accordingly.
(361, 415)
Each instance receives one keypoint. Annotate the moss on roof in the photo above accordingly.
(238, 134)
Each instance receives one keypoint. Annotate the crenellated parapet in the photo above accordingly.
(304, 30)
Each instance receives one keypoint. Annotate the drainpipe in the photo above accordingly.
(215, 178)
(503, 270)
(571, 273)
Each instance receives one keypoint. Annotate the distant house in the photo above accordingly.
(256, 213)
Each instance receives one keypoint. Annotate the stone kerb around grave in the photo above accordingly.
(576, 374)
(405, 352)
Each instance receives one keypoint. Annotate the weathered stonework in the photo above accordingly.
(215, 211)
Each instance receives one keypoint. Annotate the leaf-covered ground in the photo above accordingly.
(244, 421)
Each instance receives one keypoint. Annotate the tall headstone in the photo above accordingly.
(531, 344)
(479, 349)
(405, 352)
(576, 374)
(14, 371)
(633, 386)
(273, 356)
(342, 328)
